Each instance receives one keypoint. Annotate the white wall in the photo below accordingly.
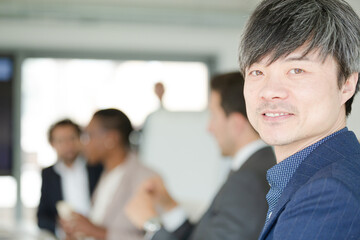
(117, 37)
(220, 42)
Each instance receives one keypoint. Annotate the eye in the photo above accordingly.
(296, 71)
(256, 73)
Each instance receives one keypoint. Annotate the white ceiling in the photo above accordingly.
(204, 12)
(245, 6)
(201, 5)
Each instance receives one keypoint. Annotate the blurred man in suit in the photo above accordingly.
(106, 141)
(70, 179)
(239, 208)
(301, 62)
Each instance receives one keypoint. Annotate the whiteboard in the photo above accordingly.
(178, 146)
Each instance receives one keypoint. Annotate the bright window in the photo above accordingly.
(53, 89)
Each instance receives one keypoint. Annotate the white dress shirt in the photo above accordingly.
(105, 191)
(75, 185)
(173, 219)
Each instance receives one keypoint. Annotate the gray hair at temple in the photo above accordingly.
(278, 27)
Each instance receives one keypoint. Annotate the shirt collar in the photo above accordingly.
(60, 166)
(279, 175)
(245, 153)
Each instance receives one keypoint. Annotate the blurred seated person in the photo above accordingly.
(107, 142)
(70, 179)
(238, 211)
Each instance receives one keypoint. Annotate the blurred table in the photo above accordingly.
(24, 232)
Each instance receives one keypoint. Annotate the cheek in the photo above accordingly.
(210, 124)
(250, 96)
(90, 148)
(319, 104)
(318, 96)
(78, 145)
(218, 129)
(250, 104)
(215, 128)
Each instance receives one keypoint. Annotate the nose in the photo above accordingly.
(274, 88)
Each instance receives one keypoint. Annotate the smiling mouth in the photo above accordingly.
(276, 114)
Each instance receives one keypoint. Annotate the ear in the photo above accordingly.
(109, 144)
(110, 140)
(349, 87)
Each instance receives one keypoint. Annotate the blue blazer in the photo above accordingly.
(322, 200)
(51, 193)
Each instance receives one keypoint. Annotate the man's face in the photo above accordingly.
(220, 125)
(294, 101)
(66, 142)
(94, 142)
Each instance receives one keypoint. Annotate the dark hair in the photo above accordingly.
(278, 27)
(114, 119)
(62, 123)
(230, 86)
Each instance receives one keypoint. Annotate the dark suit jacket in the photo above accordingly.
(238, 210)
(51, 193)
(322, 200)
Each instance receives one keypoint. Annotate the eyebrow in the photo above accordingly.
(287, 59)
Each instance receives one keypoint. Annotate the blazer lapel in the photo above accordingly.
(322, 156)
(56, 186)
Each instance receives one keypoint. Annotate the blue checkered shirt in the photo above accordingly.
(280, 175)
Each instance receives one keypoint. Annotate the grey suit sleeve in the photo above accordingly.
(162, 234)
(238, 211)
(182, 233)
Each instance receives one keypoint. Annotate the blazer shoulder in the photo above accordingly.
(140, 172)
(145, 171)
(317, 210)
(49, 171)
(260, 161)
(245, 183)
(345, 171)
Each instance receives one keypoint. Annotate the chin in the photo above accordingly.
(68, 158)
(224, 153)
(91, 161)
(97, 160)
(72, 156)
(276, 141)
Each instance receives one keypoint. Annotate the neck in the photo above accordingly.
(68, 162)
(115, 158)
(245, 139)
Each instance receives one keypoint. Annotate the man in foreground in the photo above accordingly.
(300, 59)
